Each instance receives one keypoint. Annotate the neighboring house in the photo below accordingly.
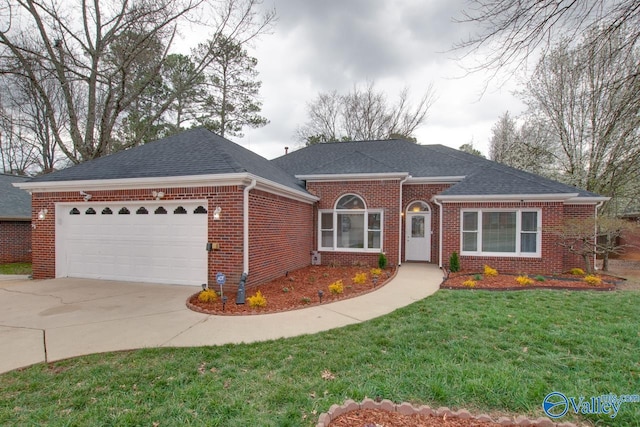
(149, 213)
(15, 221)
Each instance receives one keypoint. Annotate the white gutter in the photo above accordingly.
(245, 237)
(595, 234)
(400, 236)
(435, 179)
(354, 176)
(439, 231)
(510, 197)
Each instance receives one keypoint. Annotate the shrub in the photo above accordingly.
(524, 281)
(576, 272)
(454, 262)
(360, 278)
(382, 261)
(257, 300)
(477, 277)
(592, 280)
(469, 283)
(490, 272)
(336, 287)
(376, 271)
(540, 278)
(305, 300)
(208, 295)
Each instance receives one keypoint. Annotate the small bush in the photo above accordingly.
(305, 300)
(477, 277)
(454, 262)
(540, 278)
(257, 300)
(490, 272)
(336, 287)
(576, 272)
(376, 272)
(382, 261)
(469, 283)
(208, 295)
(524, 281)
(593, 280)
(360, 278)
(285, 290)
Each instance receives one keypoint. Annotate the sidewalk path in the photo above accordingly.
(56, 319)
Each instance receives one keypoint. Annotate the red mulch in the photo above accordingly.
(508, 282)
(298, 289)
(379, 417)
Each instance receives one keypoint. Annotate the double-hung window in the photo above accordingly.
(501, 232)
(350, 226)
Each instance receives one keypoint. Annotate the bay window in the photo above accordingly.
(350, 226)
(500, 232)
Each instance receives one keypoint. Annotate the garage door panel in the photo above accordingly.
(164, 248)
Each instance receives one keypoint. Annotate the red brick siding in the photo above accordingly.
(15, 241)
(424, 192)
(281, 236)
(554, 259)
(377, 194)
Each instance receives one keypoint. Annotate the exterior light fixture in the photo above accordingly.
(320, 294)
(224, 302)
(217, 214)
(375, 281)
(157, 194)
(42, 214)
(86, 196)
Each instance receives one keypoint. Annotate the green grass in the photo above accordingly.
(485, 351)
(16, 268)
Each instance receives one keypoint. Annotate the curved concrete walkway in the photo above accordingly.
(49, 320)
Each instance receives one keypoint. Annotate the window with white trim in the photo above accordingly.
(350, 226)
(514, 232)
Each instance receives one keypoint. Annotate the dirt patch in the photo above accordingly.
(299, 289)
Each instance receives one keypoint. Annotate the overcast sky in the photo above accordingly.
(318, 46)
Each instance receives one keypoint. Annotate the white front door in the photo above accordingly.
(418, 236)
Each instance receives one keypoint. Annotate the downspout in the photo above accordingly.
(400, 236)
(595, 235)
(439, 231)
(245, 237)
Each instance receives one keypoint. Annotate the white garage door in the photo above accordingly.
(161, 242)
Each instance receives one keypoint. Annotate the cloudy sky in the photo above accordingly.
(318, 46)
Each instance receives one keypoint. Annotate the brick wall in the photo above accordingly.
(15, 241)
(554, 259)
(377, 194)
(281, 236)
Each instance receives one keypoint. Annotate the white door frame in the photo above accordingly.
(418, 248)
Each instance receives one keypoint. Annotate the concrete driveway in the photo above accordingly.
(49, 320)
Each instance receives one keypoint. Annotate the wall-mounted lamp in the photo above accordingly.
(42, 214)
(86, 196)
(217, 214)
(157, 194)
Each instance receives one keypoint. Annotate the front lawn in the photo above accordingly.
(16, 268)
(500, 352)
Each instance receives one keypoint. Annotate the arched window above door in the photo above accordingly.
(419, 206)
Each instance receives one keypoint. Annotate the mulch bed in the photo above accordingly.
(379, 417)
(297, 289)
(507, 282)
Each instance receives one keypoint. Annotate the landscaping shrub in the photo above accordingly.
(336, 287)
(540, 278)
(207, 295)
(524, 281)
(382, 261)
(577, 272)
(360, 278)
(376, 272)
(490, 272)
(257, 300)
(592, 280)
(477, 277)
(469, 283)
(454, 262)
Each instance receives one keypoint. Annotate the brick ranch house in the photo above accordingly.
(149, 213)
(15, 221)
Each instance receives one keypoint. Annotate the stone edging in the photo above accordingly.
(408, 409)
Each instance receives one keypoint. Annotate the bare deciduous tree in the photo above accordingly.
(363, 114)
(104, 56)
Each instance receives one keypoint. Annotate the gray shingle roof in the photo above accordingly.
(14, 202)
(482, 176)
(193, 152)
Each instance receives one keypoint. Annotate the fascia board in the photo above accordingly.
(506, 198)
(354, 176)
(434, 179)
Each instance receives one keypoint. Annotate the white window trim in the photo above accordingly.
(366, 212)
(517, 253)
